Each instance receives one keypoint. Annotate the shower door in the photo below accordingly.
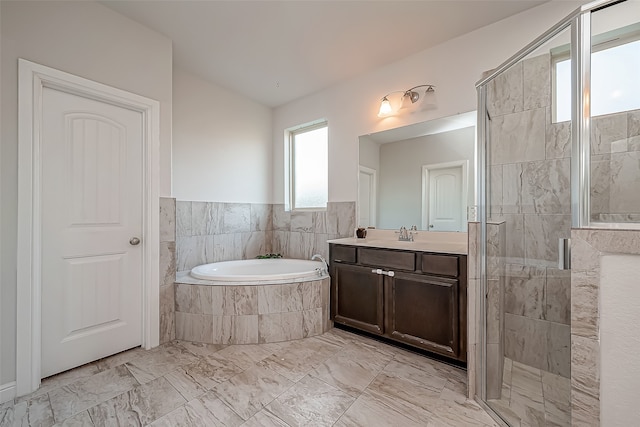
(528, 210)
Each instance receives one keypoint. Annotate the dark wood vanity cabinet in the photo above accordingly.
(416, 298)
(359, 298)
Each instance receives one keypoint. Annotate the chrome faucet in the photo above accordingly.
(321, 258)
(407, 236)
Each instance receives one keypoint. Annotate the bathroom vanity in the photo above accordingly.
(413, 293)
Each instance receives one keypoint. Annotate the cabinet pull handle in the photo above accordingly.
(386, 273)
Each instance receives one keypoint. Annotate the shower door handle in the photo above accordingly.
(564, 254)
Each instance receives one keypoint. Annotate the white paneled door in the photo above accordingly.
(445, 199)
(92, 217)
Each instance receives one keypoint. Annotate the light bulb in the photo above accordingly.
(385, 108)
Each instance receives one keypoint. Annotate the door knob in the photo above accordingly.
(134, 241)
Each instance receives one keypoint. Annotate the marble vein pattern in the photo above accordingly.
(76, 397)
(532, 396)
(310, 402)
(139, 406)
(249, 392)
(167, 219)
(207, 232)
(300, 383)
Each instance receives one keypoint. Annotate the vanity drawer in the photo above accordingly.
(341, 253)
(382, 258)
(442, 265)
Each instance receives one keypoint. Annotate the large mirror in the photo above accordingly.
(421, 174)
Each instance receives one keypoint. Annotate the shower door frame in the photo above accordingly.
(580, 23)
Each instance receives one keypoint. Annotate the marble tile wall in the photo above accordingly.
(529, 177)
(167, 268)
(495, 314)
(303, 234)
(212, 231)
(615, 153)
(474, 299)
(262, 314)
(588, 247)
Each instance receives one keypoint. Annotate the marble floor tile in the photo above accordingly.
(297, 358)
(116, 359)
(468, 414)
(185, 384)
(247, 355)
(336, 337)
(337, 378)
(352, 369)
(64, 378)
(210, 372)
(81, 395)
(253, 389)
(201, 349)
(407, 372)
(415, 393)
(368, 411)
(163, 359)
(29, 412)
(310, 402)
(533, 397)
(264, 418)
(205, 411)
(83, 419)
(139, 406)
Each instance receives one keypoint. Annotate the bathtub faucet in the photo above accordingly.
(326, 266)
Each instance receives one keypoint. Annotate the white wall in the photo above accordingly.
(454, 67)
(400, 173)
(91, 41)
(221, 143)
(369, 153)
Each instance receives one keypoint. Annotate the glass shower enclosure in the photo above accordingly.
(559, 149)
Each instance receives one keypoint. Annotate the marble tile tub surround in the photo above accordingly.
(167, 268)
(336, 378)
(251, 314)
(588, 248)
(214, 231)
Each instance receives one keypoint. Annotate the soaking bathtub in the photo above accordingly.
(252, 301)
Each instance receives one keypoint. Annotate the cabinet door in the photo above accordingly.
(423, 311)
(358, 297)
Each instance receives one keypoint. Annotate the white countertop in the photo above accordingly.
(451, 243)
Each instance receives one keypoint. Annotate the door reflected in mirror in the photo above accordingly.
(421, 174)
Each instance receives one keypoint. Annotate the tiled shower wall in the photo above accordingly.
(615, 153)
(194, 233)
(530, 190)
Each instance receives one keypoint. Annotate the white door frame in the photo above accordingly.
(464, 164)
(373, 190)
(33, 78)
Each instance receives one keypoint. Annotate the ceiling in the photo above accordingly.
(276, 51)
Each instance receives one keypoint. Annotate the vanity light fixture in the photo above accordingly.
(407, 95)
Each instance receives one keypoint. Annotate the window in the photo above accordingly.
(308, 167)
(615, 67)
